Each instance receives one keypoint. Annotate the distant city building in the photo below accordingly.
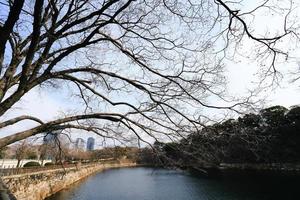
(50, 143)
(90, 145)
(80, 143)
(49, 138)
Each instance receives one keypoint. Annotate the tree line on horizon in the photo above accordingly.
(270, 136)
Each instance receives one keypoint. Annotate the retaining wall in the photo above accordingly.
(39, 185)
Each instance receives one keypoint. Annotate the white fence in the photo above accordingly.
(12, 163)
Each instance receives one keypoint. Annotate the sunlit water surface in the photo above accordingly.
(160, 184)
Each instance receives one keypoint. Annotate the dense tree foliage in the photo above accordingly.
(271, 136)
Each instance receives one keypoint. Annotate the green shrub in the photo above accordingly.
(32, 164)
(49, 164)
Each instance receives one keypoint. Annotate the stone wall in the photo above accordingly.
(39, 185)
(279, 167)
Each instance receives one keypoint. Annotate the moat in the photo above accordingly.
(160, 184)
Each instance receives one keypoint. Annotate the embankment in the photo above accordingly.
(288, 169)
(39, 185)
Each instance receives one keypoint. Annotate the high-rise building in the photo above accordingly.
(49, 138)
(90, 145)
(49, 143)
(80, 143)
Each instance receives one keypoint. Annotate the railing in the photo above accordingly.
(25, 170)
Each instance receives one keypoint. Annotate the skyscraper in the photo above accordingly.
(49, 138)
(90, 145)
(80, 143)
(49, 144)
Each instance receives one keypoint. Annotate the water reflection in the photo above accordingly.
(159, 184)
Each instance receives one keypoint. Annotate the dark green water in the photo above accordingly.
(160, 184)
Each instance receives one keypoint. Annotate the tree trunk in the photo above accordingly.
(18, 164)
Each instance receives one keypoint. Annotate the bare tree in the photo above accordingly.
(160, 58)
(56, 146)
(43, 152)
(20, 150)
(277, 44)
